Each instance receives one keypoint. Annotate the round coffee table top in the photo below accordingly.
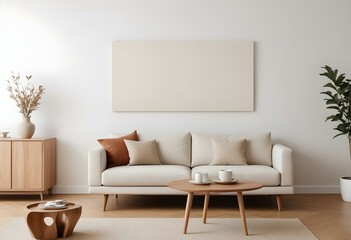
(186, 186)
(39, 207)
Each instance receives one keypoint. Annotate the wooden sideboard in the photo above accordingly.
(27, 166)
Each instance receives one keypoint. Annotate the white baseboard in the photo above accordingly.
(70, 189)
(317, 189)
(299, 189)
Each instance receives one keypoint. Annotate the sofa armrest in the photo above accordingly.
(283, 161)
(96, 165)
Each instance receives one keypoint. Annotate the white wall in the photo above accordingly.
(66, 46)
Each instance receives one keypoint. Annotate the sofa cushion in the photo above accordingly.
(229, 153)
(116, 150)
(173, 149)
(146, 175)
(266, 175)
(258, 148)
(143, 152)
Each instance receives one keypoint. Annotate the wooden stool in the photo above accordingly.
(53, 223)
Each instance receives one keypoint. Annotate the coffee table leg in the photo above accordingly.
(242, 211)
(66, 221)
(189, 203)
(204, 213)
(38, 227)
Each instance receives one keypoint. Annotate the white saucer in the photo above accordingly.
(202, 183)
(229, 182)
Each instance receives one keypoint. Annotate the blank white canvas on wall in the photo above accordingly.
(183, 76)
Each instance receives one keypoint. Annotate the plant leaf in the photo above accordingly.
(330, 85)
(334, 107)
(339, 79)
(339, 134)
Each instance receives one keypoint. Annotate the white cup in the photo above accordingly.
(205, 177)
(198, 177)
(225, 175)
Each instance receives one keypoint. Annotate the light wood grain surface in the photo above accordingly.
(63, 220)
(5, 165)
(27, 165)
(186, 186)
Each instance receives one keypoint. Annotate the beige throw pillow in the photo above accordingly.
(259, 149)
(229, 153)
(142, 152)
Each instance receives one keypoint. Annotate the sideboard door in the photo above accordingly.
(5, 165)
(27, 165)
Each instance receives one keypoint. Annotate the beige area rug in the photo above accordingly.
(171, 229)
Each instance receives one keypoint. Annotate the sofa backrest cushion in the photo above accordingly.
(229, 153)
(258, 148)
(173, 149)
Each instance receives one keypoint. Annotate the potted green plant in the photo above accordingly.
(338, 97)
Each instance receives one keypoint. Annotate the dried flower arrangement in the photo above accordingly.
(27, 98)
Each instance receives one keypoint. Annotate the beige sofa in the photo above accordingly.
(181, 155)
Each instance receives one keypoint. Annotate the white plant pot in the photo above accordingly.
(345, 188)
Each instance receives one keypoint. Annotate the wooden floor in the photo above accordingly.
(327, 216)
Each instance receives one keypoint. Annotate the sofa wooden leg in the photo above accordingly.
(279, 202)
(105, 201)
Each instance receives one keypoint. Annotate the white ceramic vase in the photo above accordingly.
(345, 188)
(26, 128)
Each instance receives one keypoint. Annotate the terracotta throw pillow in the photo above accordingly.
(116, 149)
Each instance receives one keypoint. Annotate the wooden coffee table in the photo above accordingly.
(61, 221)
(184, 185)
